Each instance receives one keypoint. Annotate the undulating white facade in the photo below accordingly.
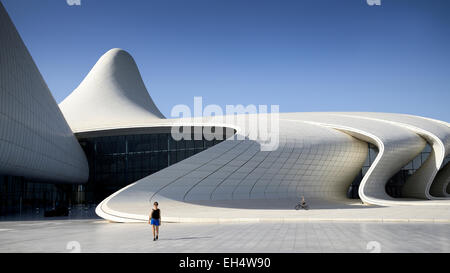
(318, 154)
(35, 139)
(318, 157)
(118, 85)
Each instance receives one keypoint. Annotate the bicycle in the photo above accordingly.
(301, 206)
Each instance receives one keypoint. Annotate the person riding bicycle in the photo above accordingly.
(303, 203)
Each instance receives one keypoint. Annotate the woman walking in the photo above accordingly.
(155, 220)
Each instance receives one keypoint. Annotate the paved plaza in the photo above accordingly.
(96, 235)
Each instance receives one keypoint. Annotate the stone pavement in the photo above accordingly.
(96, 235)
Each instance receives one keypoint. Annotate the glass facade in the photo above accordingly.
(21, 195)
(116, 159)
(395, 184)
(354, 187)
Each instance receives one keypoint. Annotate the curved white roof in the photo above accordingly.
(315, 158)
(112, 95)
(318, 156)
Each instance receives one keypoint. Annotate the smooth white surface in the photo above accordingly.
(441, 183)
(317, 158)
(112, 95)
(35, 140)
(436, 134)
(318, 155)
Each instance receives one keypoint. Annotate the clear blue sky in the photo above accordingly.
(313, 55)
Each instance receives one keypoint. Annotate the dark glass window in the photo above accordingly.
(114, 162)
(395, 184)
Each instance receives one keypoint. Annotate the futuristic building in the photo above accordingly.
(110, 142)
(319, 155)
(35, 140)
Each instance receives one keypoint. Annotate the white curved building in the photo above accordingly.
(134, 160)
(318, 156)
(35, 140)
(111, 95)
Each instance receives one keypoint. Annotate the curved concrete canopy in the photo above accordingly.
(237, 171)
(397, 146)
(309, 162)
(441, 183)
(436, 134)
